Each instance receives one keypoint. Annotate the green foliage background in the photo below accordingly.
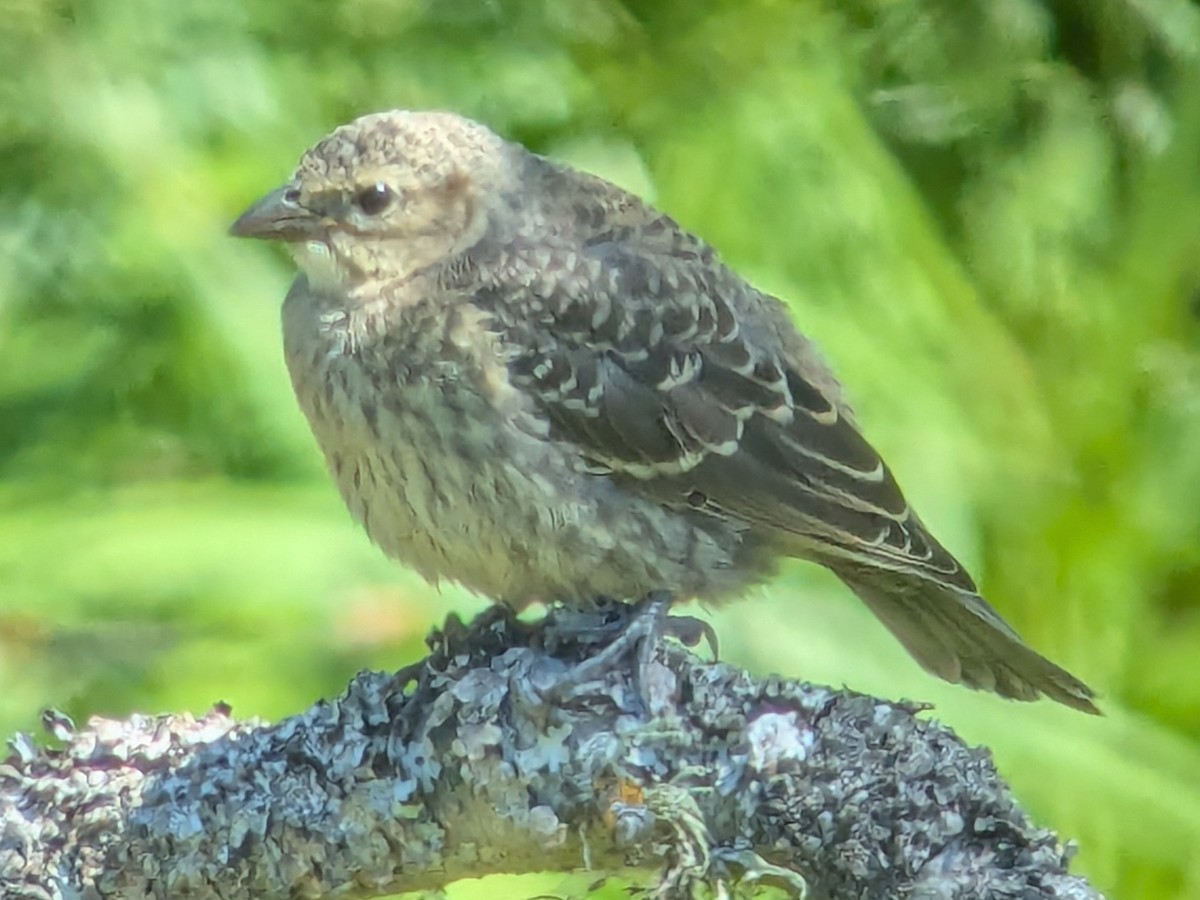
(986, 211)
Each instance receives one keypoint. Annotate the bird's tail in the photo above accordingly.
(955, 635)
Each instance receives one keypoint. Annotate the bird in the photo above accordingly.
(529, 381)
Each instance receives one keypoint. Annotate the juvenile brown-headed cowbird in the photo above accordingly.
(529, 381)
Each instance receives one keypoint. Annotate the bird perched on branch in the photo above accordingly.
(529, 381)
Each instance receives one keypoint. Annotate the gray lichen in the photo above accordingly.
(476, 762)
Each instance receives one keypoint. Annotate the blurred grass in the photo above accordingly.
(986, 211)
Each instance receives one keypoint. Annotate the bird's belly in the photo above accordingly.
(445, 483)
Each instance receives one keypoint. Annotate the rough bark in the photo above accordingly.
(521, 748)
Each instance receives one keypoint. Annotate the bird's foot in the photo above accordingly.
(602, 619)
(634, 631)
(690, 631)
(638, 631)
(586, 624)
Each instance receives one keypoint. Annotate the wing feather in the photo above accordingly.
(675, 378)
(642, 363)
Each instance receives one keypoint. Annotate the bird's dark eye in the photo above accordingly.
(374, 199)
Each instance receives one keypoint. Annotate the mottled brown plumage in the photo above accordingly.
(529, 381)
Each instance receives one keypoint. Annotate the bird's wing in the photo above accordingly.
(633, 349)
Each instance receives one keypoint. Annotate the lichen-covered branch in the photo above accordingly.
(521, 748)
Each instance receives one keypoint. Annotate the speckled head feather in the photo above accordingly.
(423, 147)
(386, 196)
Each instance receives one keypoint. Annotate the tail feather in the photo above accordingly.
(955, 635)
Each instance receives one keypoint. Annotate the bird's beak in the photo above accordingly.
(278, 217)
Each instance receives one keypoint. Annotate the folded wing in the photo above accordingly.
(673, 376)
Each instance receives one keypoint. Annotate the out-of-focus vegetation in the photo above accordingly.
(986, 211)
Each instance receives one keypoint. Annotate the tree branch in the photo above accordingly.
(525, 748)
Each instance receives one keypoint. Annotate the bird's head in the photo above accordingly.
(385, 196)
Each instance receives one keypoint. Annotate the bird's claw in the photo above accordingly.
(634, 629)
(689, 631)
